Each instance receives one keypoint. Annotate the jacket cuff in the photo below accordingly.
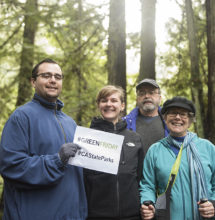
(149, 202)
(59, 163)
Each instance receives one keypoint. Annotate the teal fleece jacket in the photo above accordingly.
(157, 167)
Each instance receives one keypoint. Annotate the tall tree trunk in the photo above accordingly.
(2, 201)
(196, 84)
(27, 54)
(78, 67)
(210, 11)
(117, 44)
(147, 59)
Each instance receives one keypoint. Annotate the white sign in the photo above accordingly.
(99, 150)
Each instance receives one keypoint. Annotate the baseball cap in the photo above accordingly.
(147, 81)
(180, 102)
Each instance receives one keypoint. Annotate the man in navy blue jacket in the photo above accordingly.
(36, 145)
(146, 118)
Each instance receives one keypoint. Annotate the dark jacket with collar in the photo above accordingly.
(116, 196)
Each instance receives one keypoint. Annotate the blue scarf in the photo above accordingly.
(198, 182)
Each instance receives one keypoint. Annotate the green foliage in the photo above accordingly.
(131, 92)
(179, 80)
(7, 99)
(80, 37)
(11, 20)
(70, 32)
(177, 60)
(73, 34)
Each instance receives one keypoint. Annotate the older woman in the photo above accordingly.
(195, 178)
(113, 197)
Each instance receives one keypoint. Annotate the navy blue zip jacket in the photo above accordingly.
(37, 185)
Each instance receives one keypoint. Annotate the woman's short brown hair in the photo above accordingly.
(109, 90)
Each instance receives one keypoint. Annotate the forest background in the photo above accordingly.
(88, 38)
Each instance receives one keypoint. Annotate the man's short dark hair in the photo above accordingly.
(36, 67)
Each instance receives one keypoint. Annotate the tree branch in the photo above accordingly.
(11, 36)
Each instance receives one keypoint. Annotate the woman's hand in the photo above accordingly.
(206, 209)
(147, 212)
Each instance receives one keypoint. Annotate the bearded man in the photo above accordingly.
(146, 118)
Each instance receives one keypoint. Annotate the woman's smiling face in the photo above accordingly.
(110, 107)
(178, 121)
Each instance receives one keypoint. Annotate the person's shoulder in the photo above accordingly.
(20, 115)
(132, 113)
(157, 146)
(203, 141)
(205, 147)
(126, 131)
(23, 109)
(155, 151)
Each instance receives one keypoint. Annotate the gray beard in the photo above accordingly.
(148, 108)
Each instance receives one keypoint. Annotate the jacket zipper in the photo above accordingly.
(60, 124)
(117, 188)
(117, 181)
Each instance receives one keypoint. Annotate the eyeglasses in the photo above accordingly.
(151, 93)
(49, 76)
(183, 115)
